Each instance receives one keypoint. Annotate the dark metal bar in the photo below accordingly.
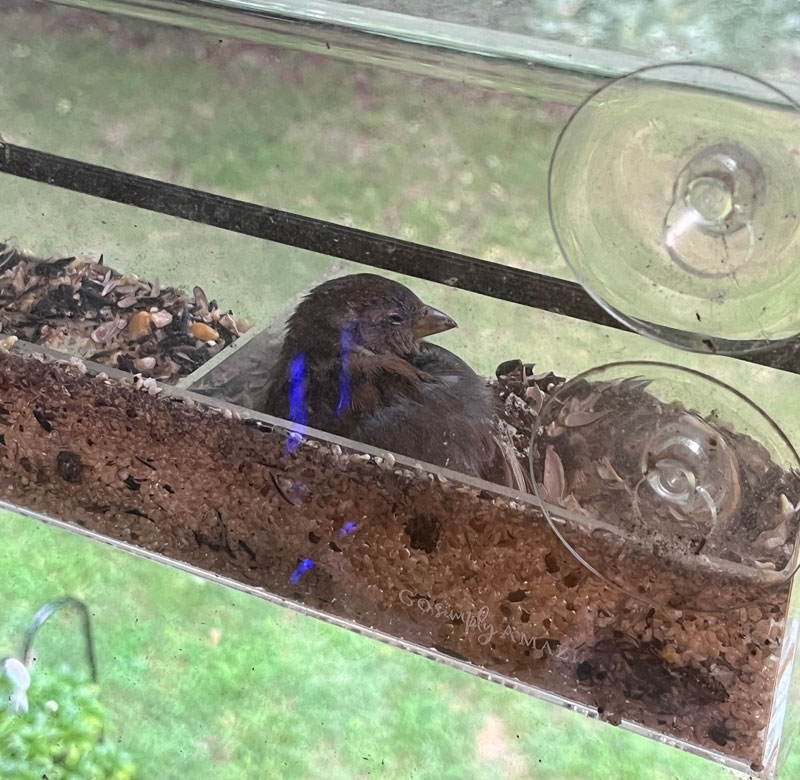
(495, 280)
(391, 254)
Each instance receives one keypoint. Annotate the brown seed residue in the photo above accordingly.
(444, 565)
(86, 309)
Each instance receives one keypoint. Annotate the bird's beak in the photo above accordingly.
(431, 321)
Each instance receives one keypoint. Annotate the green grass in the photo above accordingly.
(376, 148)
(200, 681)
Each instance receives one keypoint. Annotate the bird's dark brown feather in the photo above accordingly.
(398, 393)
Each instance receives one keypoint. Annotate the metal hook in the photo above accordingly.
(44, 613)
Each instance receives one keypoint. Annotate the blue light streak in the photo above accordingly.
(346, 529)
(301, 569)
(344, 372)
(297, 398)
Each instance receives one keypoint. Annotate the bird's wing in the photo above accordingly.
(504, 465)
(375, 381)
(432, 407)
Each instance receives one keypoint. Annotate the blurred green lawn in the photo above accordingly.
(202, 682)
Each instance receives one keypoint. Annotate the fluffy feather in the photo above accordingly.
(366, 374)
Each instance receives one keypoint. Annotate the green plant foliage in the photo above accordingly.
(61, 735)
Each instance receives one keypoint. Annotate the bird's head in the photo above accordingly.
(367, 310)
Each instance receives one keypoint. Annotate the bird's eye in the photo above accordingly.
(396, 319)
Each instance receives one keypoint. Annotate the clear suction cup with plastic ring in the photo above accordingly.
(674, 194)
(669, 485)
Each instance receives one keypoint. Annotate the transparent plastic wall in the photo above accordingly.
(444, 148)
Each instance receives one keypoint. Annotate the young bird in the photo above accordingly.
(353, 364)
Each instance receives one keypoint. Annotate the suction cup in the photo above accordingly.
(669, 485)
(674, 194)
